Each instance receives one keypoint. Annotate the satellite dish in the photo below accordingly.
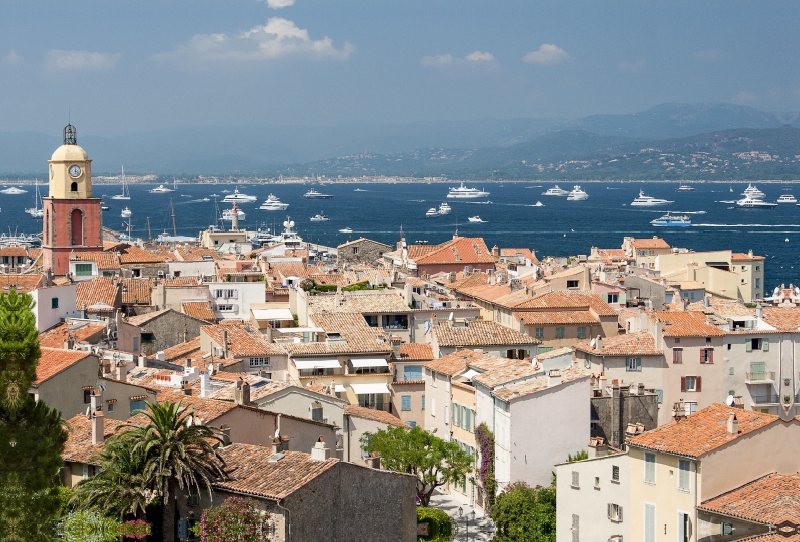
(729, 400)
(450, 318)
(291, 223)
(285, 223)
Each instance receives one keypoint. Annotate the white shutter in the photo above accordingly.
(681, 527)
(650, 468)
(649, 523)
(608, 510)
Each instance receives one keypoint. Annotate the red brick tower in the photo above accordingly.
(72, 218)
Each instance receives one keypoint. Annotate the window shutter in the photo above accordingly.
(474, 420)
(702, 355)
(765, 345)
(711, 355)
(681, 529)
(683, 383)
(649, 523)
(675, 356)
(748, 346)
(609, 510)
(638, 364)
(697, 383)
(619, 513)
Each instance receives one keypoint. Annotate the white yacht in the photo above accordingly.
(272, 203)
(577, 194)
(13, 191)
(126, 213)
(555, 191)
(538, 204)
(161, 189)
(319, 217)
(238, 197)
(444, 209)
(227, 214)
(754, 203)
(752, 192)
(126, 193)
(313, 194)
(475, 218)
(36, 211)
(787, 198)
(432, 212)
(685, 188)
(346, 230)
(462, 192)
(649, 201)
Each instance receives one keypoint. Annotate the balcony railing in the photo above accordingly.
(760, 376)
(766, 399)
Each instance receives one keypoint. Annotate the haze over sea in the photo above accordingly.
(560, 228)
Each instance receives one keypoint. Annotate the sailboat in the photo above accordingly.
(126, 193)
(36, 211)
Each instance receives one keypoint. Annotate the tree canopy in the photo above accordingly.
(433, 460)
(525, 514)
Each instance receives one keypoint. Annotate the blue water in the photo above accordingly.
(560, 228)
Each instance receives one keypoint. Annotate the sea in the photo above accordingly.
(509, 216)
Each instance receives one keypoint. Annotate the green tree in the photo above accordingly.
(580, 455)
(434, 461)
(177, 455)
(525, 514)
(237, 519)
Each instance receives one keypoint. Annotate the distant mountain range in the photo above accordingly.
(599, 146)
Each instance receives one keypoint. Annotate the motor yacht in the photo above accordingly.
(753, 192)
(13, 190)
(685, 188)
(787, 198)
(754, 203)
(161, 189)
(462, 192)
(227, 215)
(272, 203)
(444, 209)
(432, 212)
(313, 194)
(555, 191)
(346, 230)
(319, 218)
(238, 197)
(126, 213)
(475, 218)
(649, 201)
(672, 221)
(577, 194)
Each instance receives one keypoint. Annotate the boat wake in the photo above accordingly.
(749, 225)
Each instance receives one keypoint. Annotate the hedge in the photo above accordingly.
(441, 530)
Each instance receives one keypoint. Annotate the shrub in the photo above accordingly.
(441, 529)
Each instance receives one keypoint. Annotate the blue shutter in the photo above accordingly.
(423, 401)
(412, 372)
(406, 402)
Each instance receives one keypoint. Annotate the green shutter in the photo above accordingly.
(622, 298)
(748, 345)
(765, 345)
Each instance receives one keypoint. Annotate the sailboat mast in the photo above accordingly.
(149, 233)
(174, 229)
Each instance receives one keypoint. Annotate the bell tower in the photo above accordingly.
(72, 217)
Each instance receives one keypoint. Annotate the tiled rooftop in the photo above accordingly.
(180, 351)
(22, 283)
(142, 319)
(702, 431)
(243, 340)
(740, 256)
(196, 254)
(99, 290)
(454, 362)
(655, 242)
(568, 300)
(640, 343)
(55, 360)
(132, 255)
(685, 324)
(56, 336)
(106, 261)
(514, 370)
(556, 317)
(374, 415)
(200, 309)
(479, 333)
(534, 385)
(415, 352)
(772, 499)
(462, 250)
(359, 336)
(136, 291)
(782, 318)
(79, 447)
(360, 303)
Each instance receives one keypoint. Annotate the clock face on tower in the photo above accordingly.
(75, 171)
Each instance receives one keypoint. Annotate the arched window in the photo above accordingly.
(74, 187)
(77, 226)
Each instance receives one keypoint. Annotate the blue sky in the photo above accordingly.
(125, 66)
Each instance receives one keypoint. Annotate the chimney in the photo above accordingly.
(733, 425)
(141, 362)
(603, 382)
(121, 371)
(160, 355)
(598, 444)
(553, 377)
(598, 344)
(225, 434)
(320, 452)
(96, 412)
(759, 311)
(641, 388)
(225, 343)
(678, 411)
(707, 301)
(205, 381)
(495, 252)
(241, 393)
(396, 344)
(276, 445)
(69, 343)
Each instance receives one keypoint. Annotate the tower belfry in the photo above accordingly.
(72, 218)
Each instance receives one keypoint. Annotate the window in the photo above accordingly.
(677, 355)
(412, 424)
(756, 283)
(455, 412)
(412, 372)
(259, 362)
(540, 333)
(76, 219)
(446, 418)
(85, 473)
(683, 527)
(650, 468)
(581, 332)
(147, 338)
(355, 250)
(615, 512)
(54, 303)
(757, 344)
(633, 364)
(614, 473)
(83, 270)
(545, 349)
(423, 401)
(690, 407)
(110, 407)
(575, 528)
(690, 383)
(725, 529)
(649, 522)
(683, 474)
(405, 401)
(559, 333)
(707, 355)
(225, 308)
(87, 394)
(137, 405)
(136, 344)
(613, 298)
(226, 294)
(575, 479)
(758, 268)
(316, 412)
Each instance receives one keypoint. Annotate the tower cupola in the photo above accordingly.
(70, 169)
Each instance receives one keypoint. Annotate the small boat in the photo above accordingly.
(126, 213)
(186, 195)
(161, 189)
(432, 212)
(319, 218)
(272, 203)
(649, 201)
(685, 188)
(672, 221)
(104, 207)
(313, 194)
(538, 204)
(463, 192)
(226, 191)
(577, 194)
(360, 190)
(444, 209)
(347, 230)
(475, 218)
(555, 191)
(213, 195)
(126, 193)
(754, 203)
(199, 200)
(227, 214)
(13, 190)
(787, 198)
(238, 197)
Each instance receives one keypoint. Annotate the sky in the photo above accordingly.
(124, 66)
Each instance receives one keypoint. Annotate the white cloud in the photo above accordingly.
(708, 55)
(474, 60)
(78, 61)
(547, 55)
(634, 67)
(437, 60)
(278, 4)
(278, 38)
(13, 58)
(745, 97)
(477, 56)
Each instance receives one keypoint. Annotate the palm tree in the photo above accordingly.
(177, 455)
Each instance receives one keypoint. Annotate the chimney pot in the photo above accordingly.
(241, 393)
(320, 452)
(733, 425)
(225, 434)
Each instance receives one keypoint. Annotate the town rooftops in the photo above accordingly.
(479, 333)
(55, 360)
(785, 319)
(518, 253)
(22, 283)
(142, 319)
(454, 362)
(556, 317)
(98, 292)
(259, 387)
(740, 256)
(79, 447)
(772, 499)
(655, 242)
(569, 300)
(640, 343)
(391, 302)
(507, 374)
(243, 340)
(353, 335)
(204, 408)
(106, 261)
(200, 309)
(251, 472)
(540, 383)
(461, 250)
(374, 415)
(56, 336)
(701, 432)
(183, 350)
(360, 240)
(136, 291)
(685, 324)
(415, 352)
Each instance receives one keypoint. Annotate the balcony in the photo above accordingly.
(766, 399)
(760, 377)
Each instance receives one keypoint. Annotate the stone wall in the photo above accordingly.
(362, 251)
(616, 411)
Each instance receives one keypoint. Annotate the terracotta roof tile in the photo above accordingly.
(740, 256)
(56, 336)
(200, 309)
(22, 283)
(99, 290)
(415, 352)
(640, 343)
(243, 340)
(132, 254)
(485, 292)
(569, 300)
(136, 291)
(358, 335)
(479, 333)
(785, 319)
(13, 252)
(685, 324)
(374, 415)
(106, 261)
(181, 351)
(55, 360)
(518, 370)
(196, 254)
(142, 319)
(205, 408)
(702, 431)
(773, 499)
(454, 362)
(655, 242)
(79, 447)
(462, 251)
(518, 252)
(556, 317)
(534, 385)
(358, 303)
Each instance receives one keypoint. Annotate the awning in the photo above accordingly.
(469, 374)
(368, 362)
(365, 389)
(339, 389)
(317, 363)
(272, 314)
